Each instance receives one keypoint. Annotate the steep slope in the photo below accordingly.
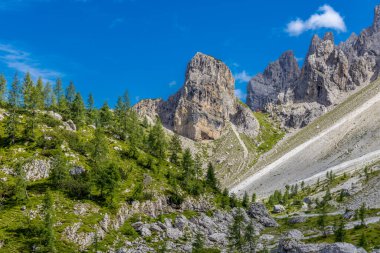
(204, 106)
(346, 138)
(330, 74)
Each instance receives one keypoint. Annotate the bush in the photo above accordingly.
(175, 199)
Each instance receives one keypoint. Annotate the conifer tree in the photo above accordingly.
(235, 235)
(250, 238)
(245, 201)
(70, 93)
(157, 140)
(58, 91)
(362, 212)
(28, 91)
(91, 112)
(49, 98)
(175, 149)
(363, 241)
(211, 179)
(105, 116)
(39, 95)
(187, 165)
(63, 107)
(106, 178)
(134, 130)
(198, 166)
(78, 110)
(100, 149)
(20, 192)
(59, 172)
(48, 208)
(253, 199)
(14, 93)
(225, 198)
(340, 232)
(3, 89)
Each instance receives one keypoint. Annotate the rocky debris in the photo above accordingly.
(204, 106)
(294, 245)
(258, 212)
(77, 170)
(69, 125)
(330, 73)
(348, 215)
(278, 209)
(55, 115)
(82, 239)
(82, 209)
(37, 169)
(297, 220)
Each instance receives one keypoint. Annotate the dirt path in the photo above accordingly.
(247, 184)
(243, 164)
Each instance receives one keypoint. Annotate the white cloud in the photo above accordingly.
(242, 77)
(172, 83)
(21, 61)
(240, 94)
(326, 17)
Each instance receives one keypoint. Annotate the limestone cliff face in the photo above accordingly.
(329, 74)
(205, 105)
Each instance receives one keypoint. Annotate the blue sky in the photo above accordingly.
(107, 46)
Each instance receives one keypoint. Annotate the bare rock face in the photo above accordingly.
(330, 73)
(273, 85)
(205, 105)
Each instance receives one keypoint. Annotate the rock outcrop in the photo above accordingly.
(205, 105)
(329, 74)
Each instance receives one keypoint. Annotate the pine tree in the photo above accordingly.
(175, 149)
(63, 107)
(105, 116)
(225, 198)
(3, 89)
(100, 149)
(235, 235)
(58, 91)
(340, 232)
(49, 222)
(233, 200)
(187, 165)
(28, 91)
(14, 93)
(39, 95)
(245, 201)
(134, 130)
(59, 173)
(78, 110)
(91, 117)
(70, 93)
(362, 212)
(157, 140)
(20, 192)
(211, 179)
(253, 199)
(250, 238)
(11, 124)
(49, 98)
(198, 164)
(106, 178)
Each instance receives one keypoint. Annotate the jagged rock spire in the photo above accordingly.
(376, 20)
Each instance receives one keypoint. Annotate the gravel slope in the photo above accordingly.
(350, 138)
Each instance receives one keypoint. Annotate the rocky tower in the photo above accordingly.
(330, 73)
(273, 84)
(205, 105)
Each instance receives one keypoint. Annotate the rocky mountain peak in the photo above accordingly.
(329, 36)
(330, 73)
(376, 20)
(206, 104)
